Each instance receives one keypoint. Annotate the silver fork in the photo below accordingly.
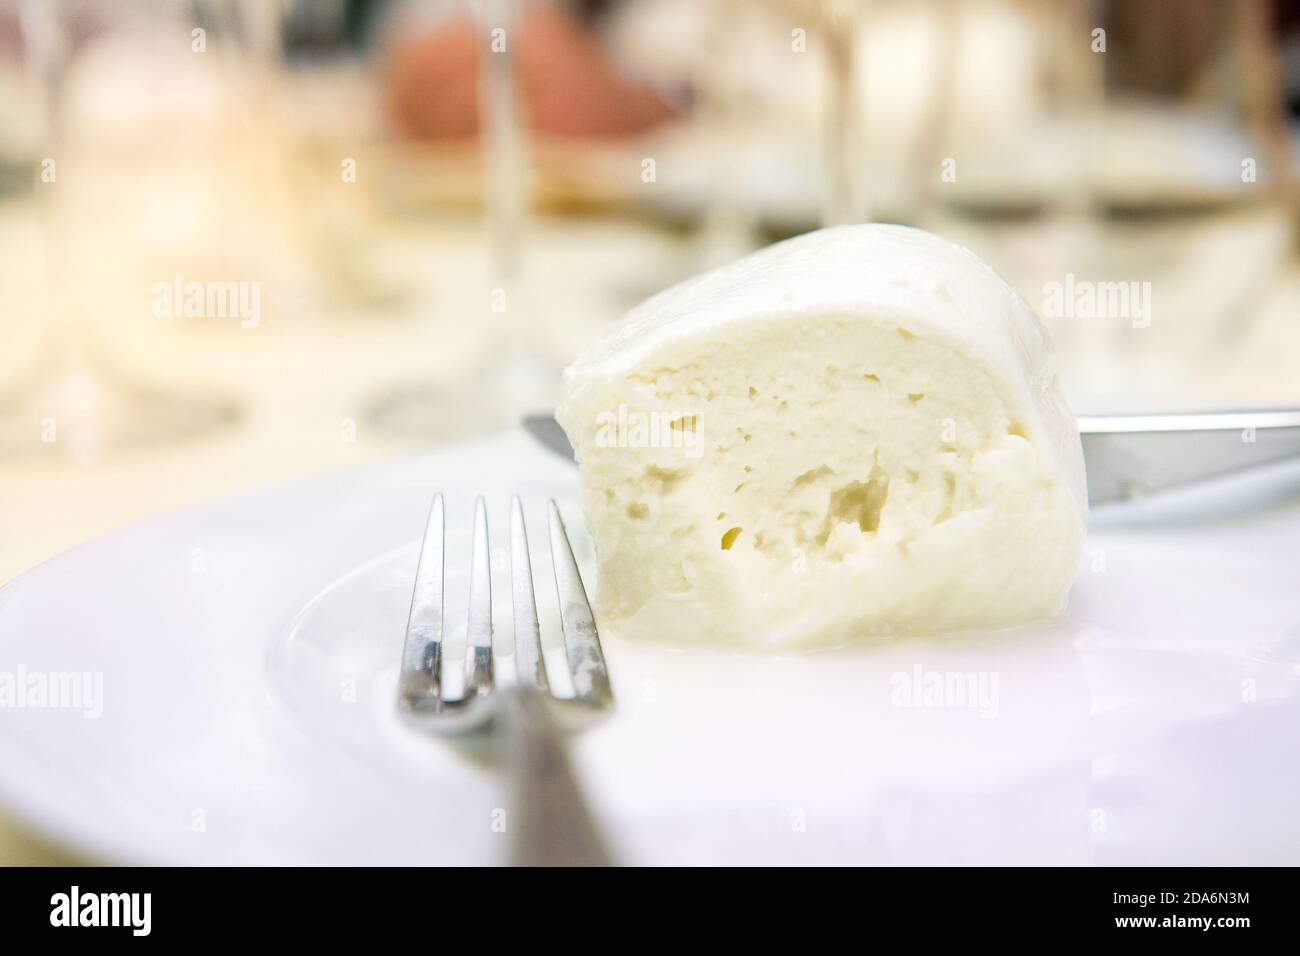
(549, 822)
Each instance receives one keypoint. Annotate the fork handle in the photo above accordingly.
(550, 823)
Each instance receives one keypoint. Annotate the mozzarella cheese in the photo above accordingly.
(854, 432)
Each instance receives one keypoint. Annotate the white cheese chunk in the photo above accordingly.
(854, 432)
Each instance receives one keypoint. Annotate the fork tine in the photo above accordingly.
(421, 679)
(529, 664)
(581, 642)
(478, 633)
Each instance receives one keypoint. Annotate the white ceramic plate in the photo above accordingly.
(248, 653)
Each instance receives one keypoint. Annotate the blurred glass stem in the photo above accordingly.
(843, 200)
(729, 227)
(501, 137)
(1259, 66)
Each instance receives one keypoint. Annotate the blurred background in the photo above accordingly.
(245, 239)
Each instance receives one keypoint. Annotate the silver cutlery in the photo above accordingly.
(548, 821)
(1130, 456)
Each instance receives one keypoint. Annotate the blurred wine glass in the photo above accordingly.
(517, 377)
(120, 176)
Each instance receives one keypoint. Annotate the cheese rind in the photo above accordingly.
(856, 431)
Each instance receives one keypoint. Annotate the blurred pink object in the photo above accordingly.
(569, 86)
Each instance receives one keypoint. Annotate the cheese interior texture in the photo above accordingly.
(854, 432)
